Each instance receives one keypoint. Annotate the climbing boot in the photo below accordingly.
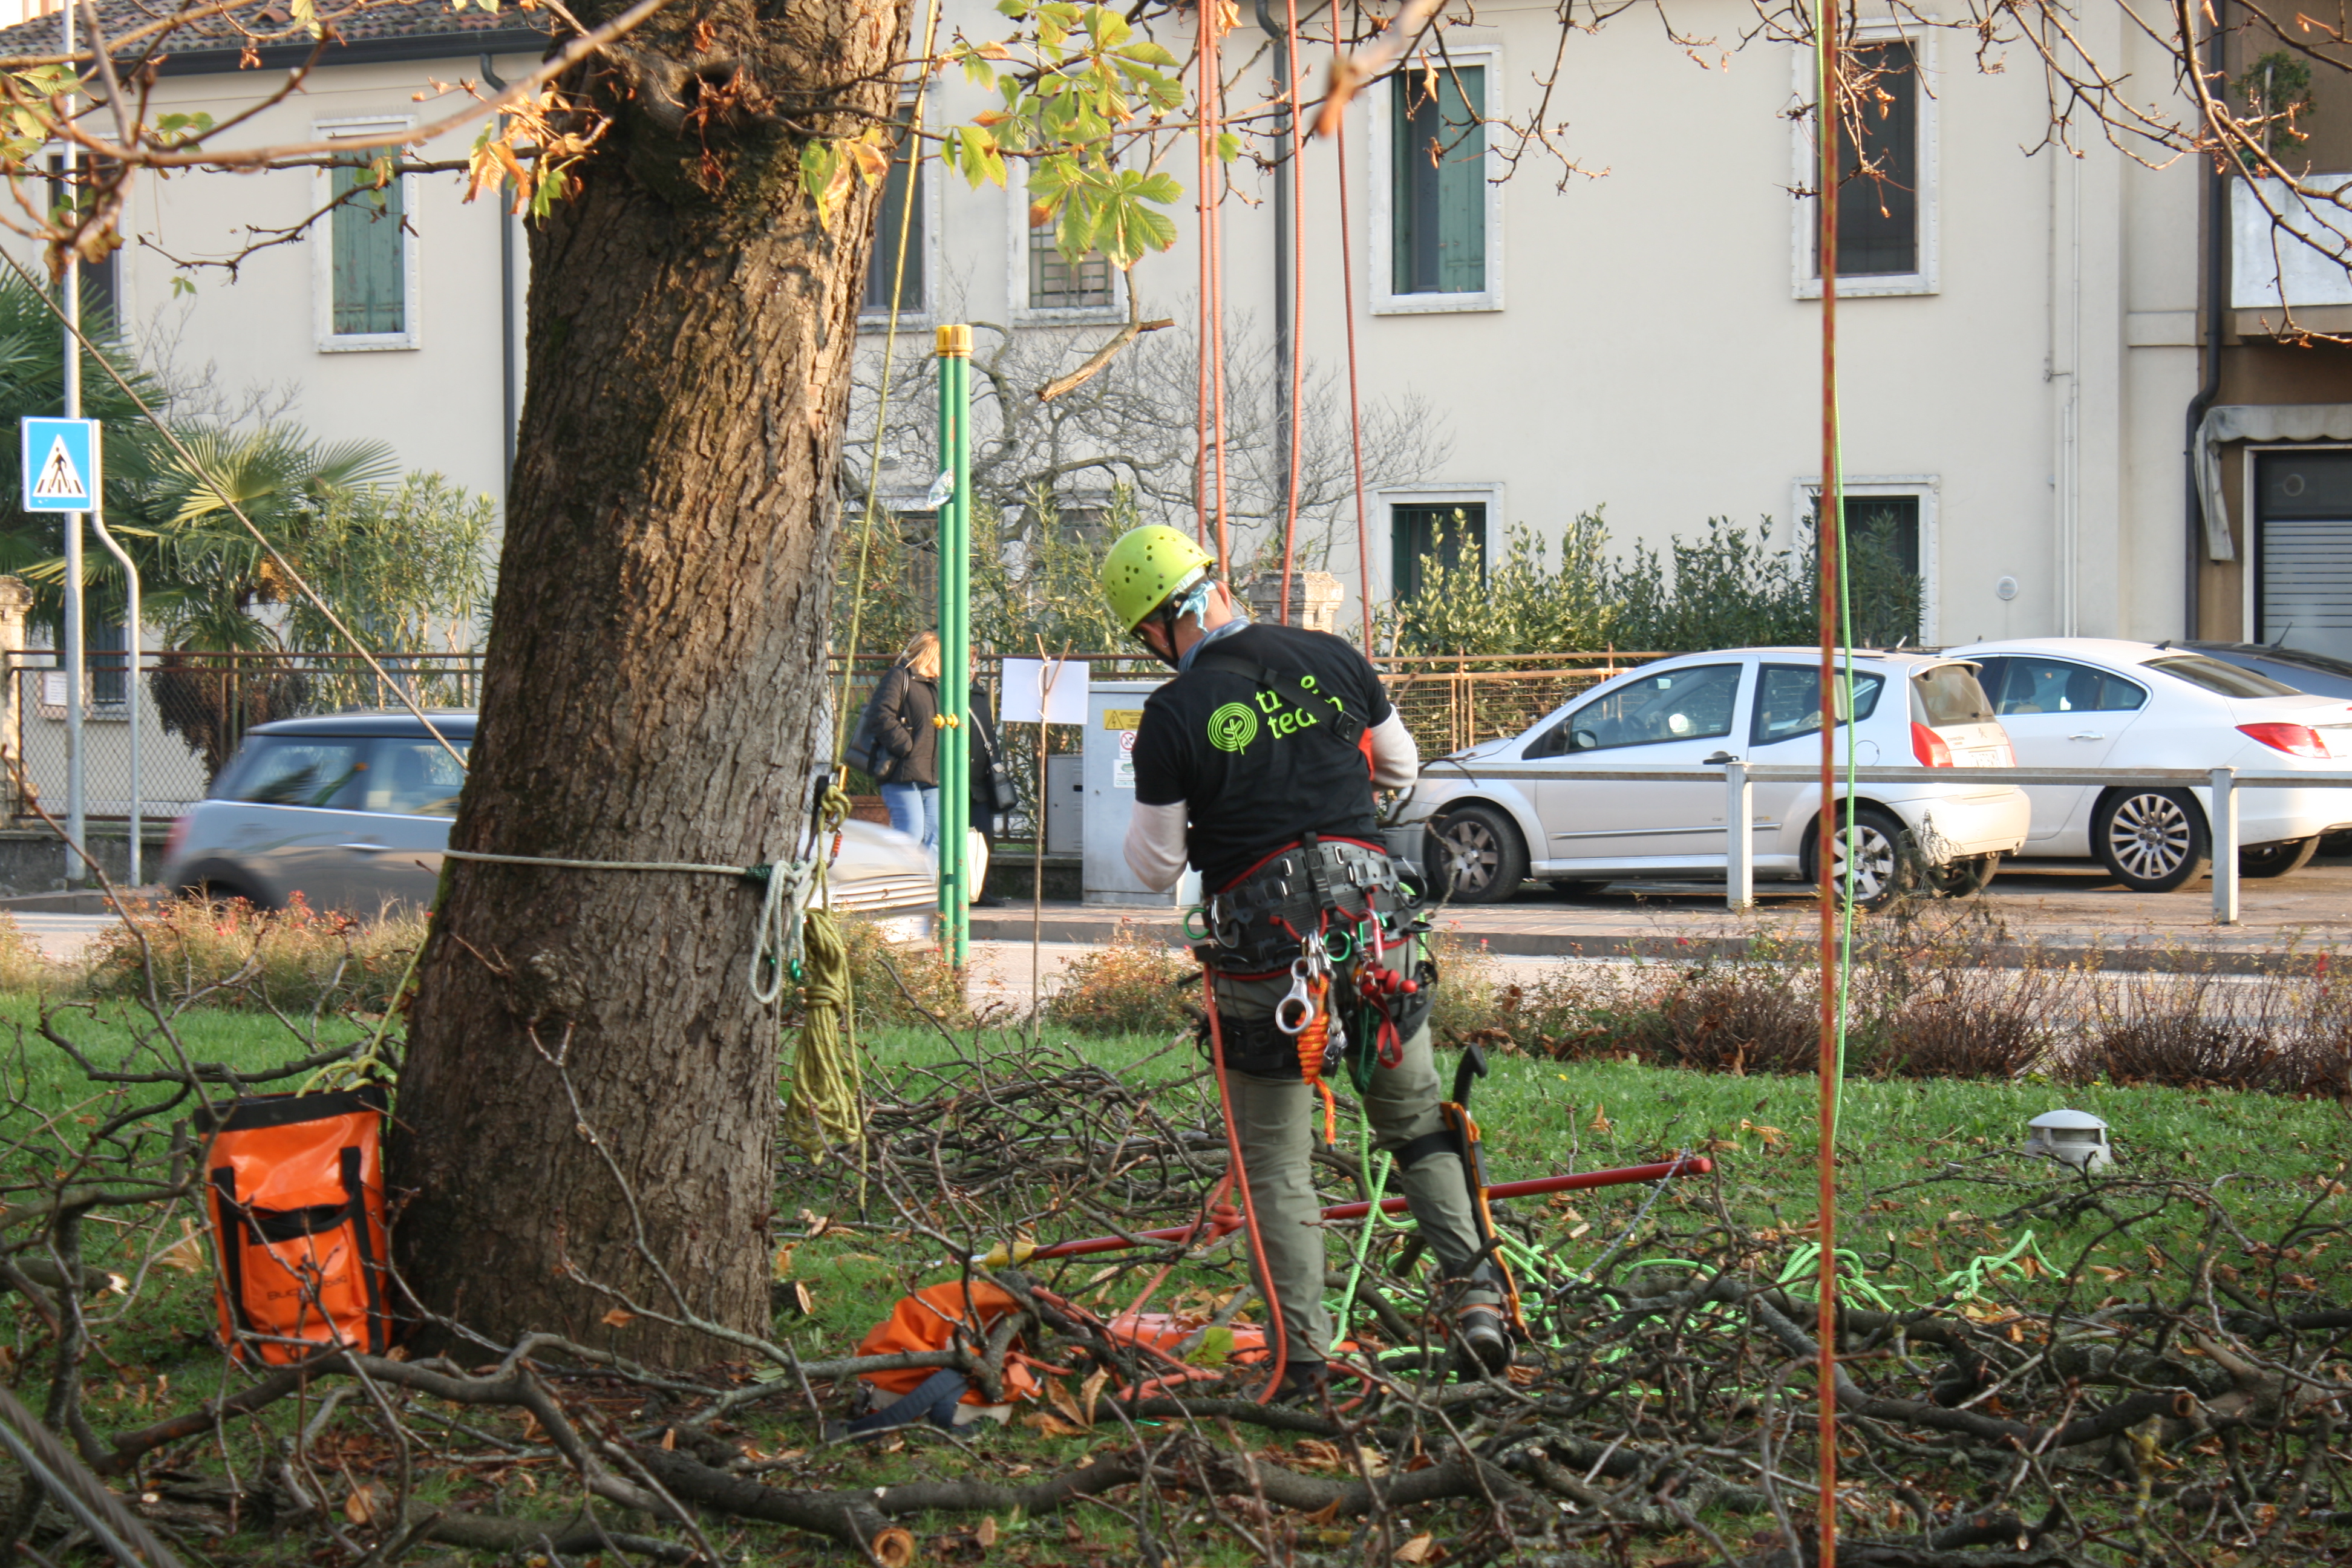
(1483, 1337)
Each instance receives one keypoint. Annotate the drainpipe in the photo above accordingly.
(506, 310)
(2217, 259)
(1283, 224)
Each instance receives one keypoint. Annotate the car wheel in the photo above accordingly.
(1878, 858)
(1484, 862)
(1961, 879)
(2153, 840)
(2278, 859)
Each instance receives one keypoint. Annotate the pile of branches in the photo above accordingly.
(2012, 1417)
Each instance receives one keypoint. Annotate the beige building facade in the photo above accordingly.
(1639, 334)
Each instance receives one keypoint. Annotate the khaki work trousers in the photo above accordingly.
(1277, 1121)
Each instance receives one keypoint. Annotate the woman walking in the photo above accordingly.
(905, 705)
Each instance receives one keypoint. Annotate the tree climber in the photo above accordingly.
(1257, 763)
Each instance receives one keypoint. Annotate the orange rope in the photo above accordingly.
(1249, 1206)
(1297, 309)
(1355, 399)
(1211, 120)
(1825, 533)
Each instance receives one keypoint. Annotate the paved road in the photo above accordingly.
(2062, 906)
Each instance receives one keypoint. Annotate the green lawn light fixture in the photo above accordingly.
(2077, 1138)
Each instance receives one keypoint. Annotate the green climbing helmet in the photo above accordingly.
(1147, 567)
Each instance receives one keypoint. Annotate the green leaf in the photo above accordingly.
(1228, 146)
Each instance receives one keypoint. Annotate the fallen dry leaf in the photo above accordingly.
(670, 1438)
(1600, 1123)
(984, 1532)
(1326, 1514)
(618, 1318)
(1422, 1548)
(1316, 1453)
(187, 1253)
(1091, 1391)
(360, 1505)
(1064, 1401)
(1047, 1425)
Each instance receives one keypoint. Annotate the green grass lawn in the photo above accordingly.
(1928, 1171)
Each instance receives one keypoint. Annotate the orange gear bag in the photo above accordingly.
(934, 1318)
(297, 1185)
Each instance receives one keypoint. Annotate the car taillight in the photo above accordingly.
(1930, 748)
(173, 839)
(2295, 740)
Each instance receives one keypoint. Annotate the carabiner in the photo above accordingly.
(1299, 994)
(1339, 944)
(1201, 913)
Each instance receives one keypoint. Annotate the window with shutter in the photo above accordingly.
(1439, 180)
(369, 238)
(901, 210)
(1056, 284)
(1442, 533)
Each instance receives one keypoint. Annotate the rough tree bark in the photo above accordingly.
(654, 690)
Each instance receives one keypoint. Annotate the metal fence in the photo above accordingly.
(196, 709)
(1447, 702)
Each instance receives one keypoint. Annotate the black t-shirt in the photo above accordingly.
(1254, 770)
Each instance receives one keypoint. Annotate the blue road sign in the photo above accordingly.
(60, 464)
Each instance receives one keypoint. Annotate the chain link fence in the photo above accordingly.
(196, 709)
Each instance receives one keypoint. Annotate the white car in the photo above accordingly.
(351, 812)
(2092, 702)
(1510, 809)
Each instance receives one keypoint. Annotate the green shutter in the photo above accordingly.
(1438, 239)
(901, 204)
(370, 257)
(1462, 184)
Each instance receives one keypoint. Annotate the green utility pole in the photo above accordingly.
(955, 641)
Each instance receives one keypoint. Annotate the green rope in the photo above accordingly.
(824, 1106)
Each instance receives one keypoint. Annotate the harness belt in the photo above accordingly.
(1257, 925)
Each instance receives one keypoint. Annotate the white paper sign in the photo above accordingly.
(1044, 691)
(1122, 773)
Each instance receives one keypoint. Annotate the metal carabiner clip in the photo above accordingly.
(1298, 994)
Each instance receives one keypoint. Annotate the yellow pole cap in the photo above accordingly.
(955, 342)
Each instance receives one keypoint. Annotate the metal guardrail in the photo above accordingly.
(1739, 779)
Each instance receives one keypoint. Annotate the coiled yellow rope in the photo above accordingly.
(823, 1107)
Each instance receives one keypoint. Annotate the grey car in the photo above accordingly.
(352, 813)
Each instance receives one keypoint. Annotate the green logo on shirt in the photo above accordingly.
(1232, 727)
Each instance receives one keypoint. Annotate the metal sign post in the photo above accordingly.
(61, 475)
(954, 344)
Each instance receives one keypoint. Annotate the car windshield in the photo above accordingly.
(2212, 675)
(293, 769)
(1948, 694)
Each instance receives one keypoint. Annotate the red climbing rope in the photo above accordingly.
(1355, 399)
(1297, 306)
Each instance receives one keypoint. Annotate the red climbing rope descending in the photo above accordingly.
(1827, 79)
(1355, 399)
(1297, 306)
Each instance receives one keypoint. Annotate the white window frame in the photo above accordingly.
(1016, 273)
(1379, 173)
(1928, 488)
(322, 251)
(886, 246)
(1804, 169)
(1488, 495)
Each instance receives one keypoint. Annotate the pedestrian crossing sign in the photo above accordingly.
(60, 464)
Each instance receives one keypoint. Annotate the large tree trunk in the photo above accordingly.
(654, 690)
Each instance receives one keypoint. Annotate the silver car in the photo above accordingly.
(352, 813)
(1517, 807)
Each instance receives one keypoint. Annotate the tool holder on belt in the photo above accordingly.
(1330, 912)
